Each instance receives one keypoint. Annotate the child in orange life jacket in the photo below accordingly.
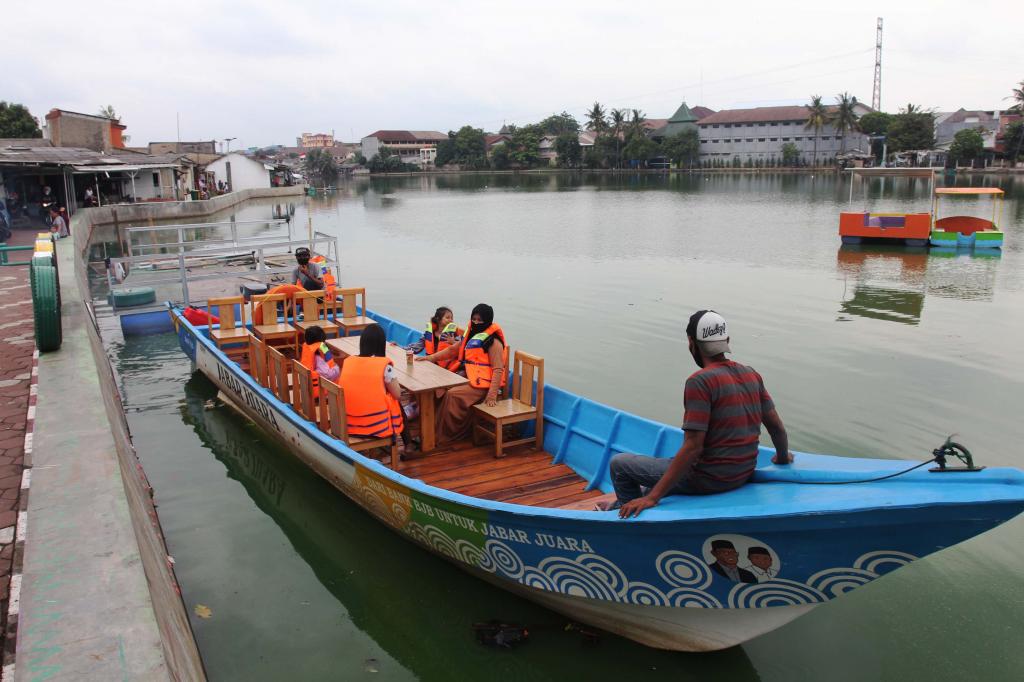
(317, 356)
(441, 332)
(371, 389)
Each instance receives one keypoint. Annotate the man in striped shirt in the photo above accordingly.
(725, 404)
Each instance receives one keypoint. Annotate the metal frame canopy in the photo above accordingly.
(969, 190)
(928, 173)
(994, 192)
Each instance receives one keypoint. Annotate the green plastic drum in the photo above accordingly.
(45, 306)
(129, 298)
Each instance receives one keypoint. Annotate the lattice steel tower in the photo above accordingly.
(876, 93)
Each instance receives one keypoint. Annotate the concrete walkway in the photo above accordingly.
(17, 349)
(85, 609)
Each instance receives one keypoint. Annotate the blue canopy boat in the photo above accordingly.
(654, 579)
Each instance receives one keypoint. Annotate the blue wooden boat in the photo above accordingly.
(653, 579)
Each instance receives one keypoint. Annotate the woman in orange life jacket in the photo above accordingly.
(483, 355)
(316, 356)
(371, 389)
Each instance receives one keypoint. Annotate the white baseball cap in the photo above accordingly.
(709, 329)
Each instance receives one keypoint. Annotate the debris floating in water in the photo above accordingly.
(496, 633)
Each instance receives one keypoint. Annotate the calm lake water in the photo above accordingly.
(868, 351)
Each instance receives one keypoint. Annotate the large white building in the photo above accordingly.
(417, 147)
(760, 133)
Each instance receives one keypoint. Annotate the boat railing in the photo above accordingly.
(187, 257)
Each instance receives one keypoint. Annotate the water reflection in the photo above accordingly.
(891, 282)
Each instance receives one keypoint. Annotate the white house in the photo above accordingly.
(240, 171)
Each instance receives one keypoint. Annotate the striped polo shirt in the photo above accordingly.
(727, 400)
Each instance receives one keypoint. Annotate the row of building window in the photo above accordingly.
(754, 125)
(771, 139)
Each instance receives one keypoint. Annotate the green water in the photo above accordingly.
(867, 351)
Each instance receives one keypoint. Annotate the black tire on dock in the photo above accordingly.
(46, 307)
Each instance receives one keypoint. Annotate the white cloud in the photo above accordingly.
(266, 71)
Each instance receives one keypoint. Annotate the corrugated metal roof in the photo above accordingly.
(18, 155)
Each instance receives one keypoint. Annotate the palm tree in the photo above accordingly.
(911, 109)
(618, 117)
(596, 118)
(845, 118)
(108, 112)
(817, 118)
(636, 124)
(1018, 98)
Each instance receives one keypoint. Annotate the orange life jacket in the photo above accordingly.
(475, 359)
(288, 289)
(308, 360)
(371, 410)
(433, 344)
(330, 285)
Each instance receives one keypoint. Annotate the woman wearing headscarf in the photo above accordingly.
(483, 356)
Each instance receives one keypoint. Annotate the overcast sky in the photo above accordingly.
(265, 71)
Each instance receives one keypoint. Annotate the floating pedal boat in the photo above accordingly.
(967, 231)
(652, 579)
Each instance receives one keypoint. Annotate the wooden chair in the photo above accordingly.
(519, 407)
(350, 318)
(258, 360)
(278, 376)
(334, 421)
(264, 307)
(313, 314)
(231, 331)
(303, 401)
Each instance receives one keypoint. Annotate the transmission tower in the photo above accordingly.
(876, 93)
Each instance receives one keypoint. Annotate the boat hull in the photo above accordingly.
(655, 581)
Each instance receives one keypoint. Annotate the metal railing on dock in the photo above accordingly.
(192, 258)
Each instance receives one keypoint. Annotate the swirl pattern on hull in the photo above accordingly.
(592, 576)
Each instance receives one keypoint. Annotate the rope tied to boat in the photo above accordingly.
(947, 450)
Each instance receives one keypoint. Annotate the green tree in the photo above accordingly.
(1013, 140)
(682, 148)
(817, 118)
(639, 147)
(16, 121)
(790, 154)
(597, 118)
(1017, 95)
(500, 158)
(320, 167)
(445, 151)
(567, 146)
(108, 112)
(636, 124)
(523, 146)
(470, 147)
(845, 118)
(967, 145)
(911, 129)
(556, 124)
(874, 123)
(618, 125)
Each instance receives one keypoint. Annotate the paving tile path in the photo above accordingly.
(17, 351)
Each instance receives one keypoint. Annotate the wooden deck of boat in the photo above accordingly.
(524, 476)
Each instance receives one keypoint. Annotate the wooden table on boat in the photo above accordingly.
(421, 379)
